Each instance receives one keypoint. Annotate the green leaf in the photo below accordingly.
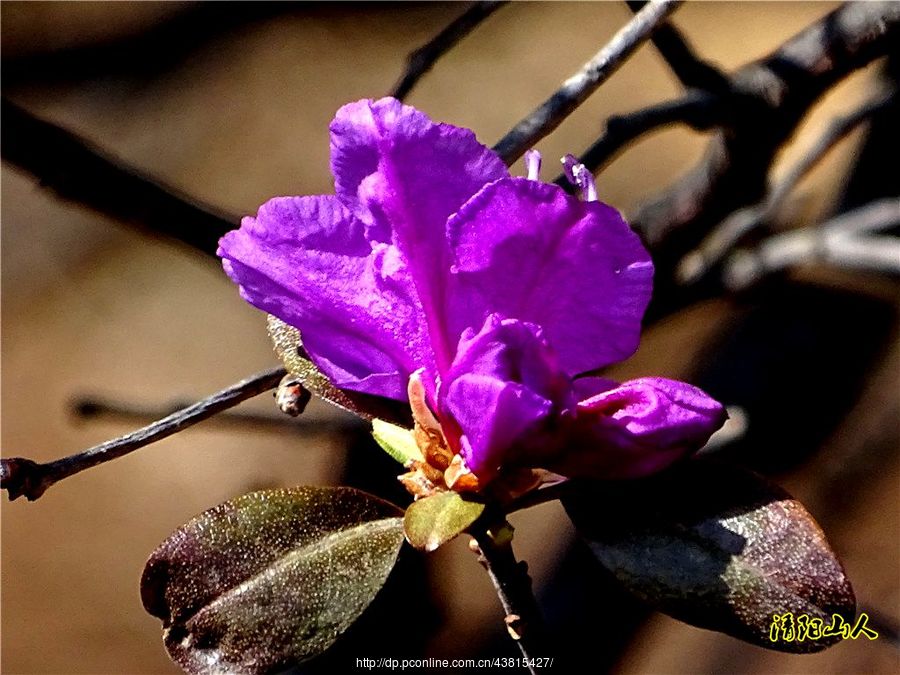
(396, 441)
(717, 547)
(270, 579)
(289, 348)
(435, 520)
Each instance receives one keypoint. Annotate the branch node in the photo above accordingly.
(22, 477)
(291, 396)
(514, 626)
(690, 69)
(522, 616)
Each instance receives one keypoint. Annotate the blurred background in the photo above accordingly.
(230, 103)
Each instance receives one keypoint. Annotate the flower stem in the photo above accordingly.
(20, 476)
(513, 586)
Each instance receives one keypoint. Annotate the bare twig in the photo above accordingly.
(697, 109)
(21, 476)
(550, 114)
(843, 241)
(691, 70)
(771, 97)
(836, 131)
(421, 60)
(876, 216)
(80, 172)
(735, 227)
(513, 586)
(90, 408)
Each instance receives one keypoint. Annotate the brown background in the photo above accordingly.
(90, 306)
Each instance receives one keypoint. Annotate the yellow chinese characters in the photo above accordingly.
(788, 628)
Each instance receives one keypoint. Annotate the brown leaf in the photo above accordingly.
(270, 579)
(717, 547)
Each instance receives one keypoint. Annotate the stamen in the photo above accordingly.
(578, 175)
(533, 164)
(569, 162)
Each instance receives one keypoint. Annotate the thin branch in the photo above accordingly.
(697, 109)
(92, 408)
(772, 96)
(876, 216)
(690, 69)
(725, 236)
(574, 91)
(769, 99)
(80, 172)
(836, 131)
(423, 59)
(844, 241)
(21, 476)
(513, 586)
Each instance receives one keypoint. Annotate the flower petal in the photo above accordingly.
(404, 175)
(306, 261)
(528, 250)
(492, 415)
(504, 383)
(638, 428)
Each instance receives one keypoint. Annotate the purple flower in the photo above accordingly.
(501, 290)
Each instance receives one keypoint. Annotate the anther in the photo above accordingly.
(578, 175)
